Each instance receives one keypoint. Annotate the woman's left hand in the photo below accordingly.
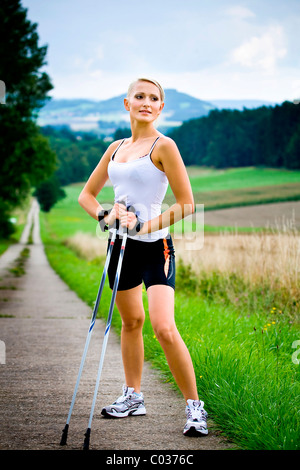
(127, 219)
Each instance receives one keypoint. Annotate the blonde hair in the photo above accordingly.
(162, 93)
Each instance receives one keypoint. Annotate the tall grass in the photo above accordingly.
(243, 361)
(240, 337)
(243, 369)
(243, 312)
(237, 309)
(266, 264)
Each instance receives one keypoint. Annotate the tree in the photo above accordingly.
(26, 157)
(266, 136)
(122, 133)
(48, 193)
(292, 154)
(78, 153)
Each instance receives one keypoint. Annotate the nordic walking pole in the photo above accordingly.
(92, 323)
(106, 334)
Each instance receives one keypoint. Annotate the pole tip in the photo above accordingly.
(64, 435)
(86, 443)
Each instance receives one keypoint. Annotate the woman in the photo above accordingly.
(140, 169)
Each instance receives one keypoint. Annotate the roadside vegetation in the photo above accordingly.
(237, 308)
(239, 320)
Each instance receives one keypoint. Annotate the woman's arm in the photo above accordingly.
(87, 198)
(169, 157)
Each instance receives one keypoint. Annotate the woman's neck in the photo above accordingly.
(142, 130)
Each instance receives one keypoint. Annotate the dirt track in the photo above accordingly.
(44, 327)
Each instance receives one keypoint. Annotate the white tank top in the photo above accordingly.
(142, 185)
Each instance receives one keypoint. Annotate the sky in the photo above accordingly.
(210, 49)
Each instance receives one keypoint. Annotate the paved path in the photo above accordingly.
(43, 325)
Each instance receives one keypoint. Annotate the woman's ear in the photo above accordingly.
(161, 107)
(126, 104)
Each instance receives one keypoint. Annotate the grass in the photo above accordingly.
(4, 244)
(243, 369)
(268, 262)
(234, 187)
(237, 178)
(240, 326)
(19, 265)
(239, 321)
(19, 216)
(242, 357)
(248, 196)
(226, 188)
(213, 188)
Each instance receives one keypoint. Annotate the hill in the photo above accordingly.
(241, 104)
(105, 116)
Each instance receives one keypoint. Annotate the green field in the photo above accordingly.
(236, 178)
(236, 187)
(242, 351)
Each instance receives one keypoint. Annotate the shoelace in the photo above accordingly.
(197, 413)
(123, 398)
(126, 397)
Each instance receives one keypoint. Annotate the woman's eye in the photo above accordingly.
(139, 97)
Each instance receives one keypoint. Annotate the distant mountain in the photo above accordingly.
(241, 104)
(104, 117)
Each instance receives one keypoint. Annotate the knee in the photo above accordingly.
(133, 323)
(166, 334)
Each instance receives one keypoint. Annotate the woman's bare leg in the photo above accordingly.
(130, 306)
(161, 311)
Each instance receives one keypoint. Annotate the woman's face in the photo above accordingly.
(144, 102)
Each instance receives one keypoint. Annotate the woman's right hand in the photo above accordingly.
(111, 217)
(117, 212)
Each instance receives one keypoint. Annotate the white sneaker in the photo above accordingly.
(196, 419)
(127, 404)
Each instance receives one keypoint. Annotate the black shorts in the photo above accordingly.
(149, 262)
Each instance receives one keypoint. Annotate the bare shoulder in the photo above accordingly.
(105, 159)
(166, 144)
(113, 146)
(166, 154)
(173, 166)
(166, 148)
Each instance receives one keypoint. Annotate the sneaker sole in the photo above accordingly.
(138, 412)
(193, 432)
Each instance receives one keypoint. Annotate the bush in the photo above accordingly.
(6, 227)
(48, 193)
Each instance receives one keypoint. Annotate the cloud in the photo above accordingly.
(218, 49)
(240, 12)
(261, 52)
